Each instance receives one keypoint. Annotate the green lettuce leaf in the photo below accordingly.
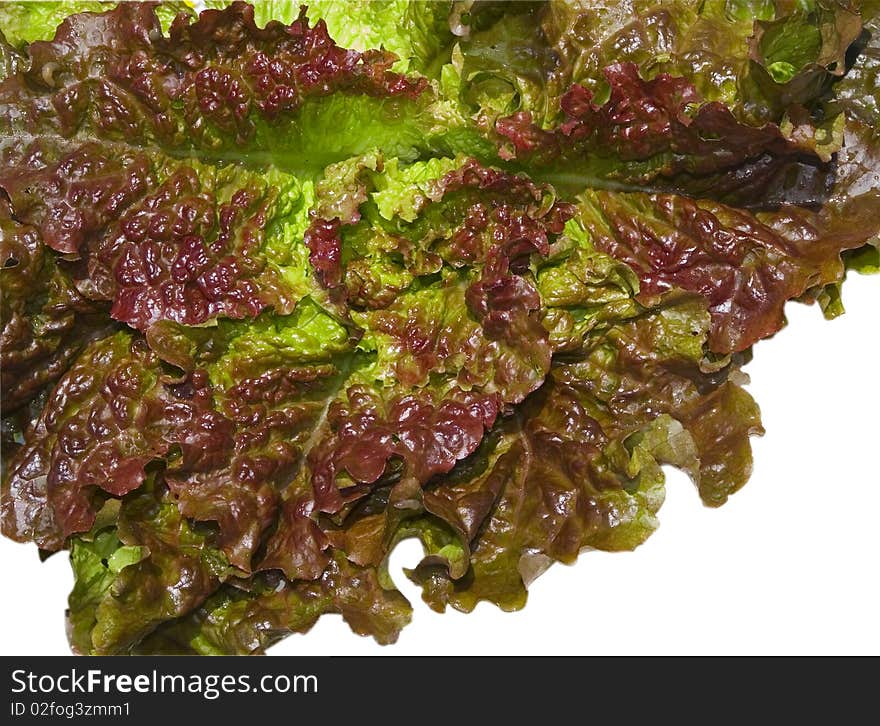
(152, 567)
(416, 32)
(247, 620)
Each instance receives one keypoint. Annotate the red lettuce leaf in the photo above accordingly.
(745, 267)
(232, 382)
(579, 464)
(46, 321)
(108, 417)
(660, 133)
(207, 85)
(244, 621)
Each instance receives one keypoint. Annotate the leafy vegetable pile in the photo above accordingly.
(271, 305)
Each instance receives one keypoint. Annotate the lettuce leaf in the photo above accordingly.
(25, 22)
(154, 567)
(201, 90)
(745, 267)
(416, 32)
(757, 57)
(281, 287)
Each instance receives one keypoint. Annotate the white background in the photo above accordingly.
(789, 565)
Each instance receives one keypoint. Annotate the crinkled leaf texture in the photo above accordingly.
(283, 287)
